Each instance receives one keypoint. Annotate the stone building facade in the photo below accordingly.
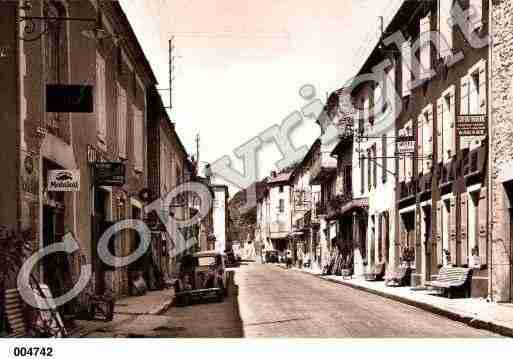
(35, 141)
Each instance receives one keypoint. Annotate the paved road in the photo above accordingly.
(268, 301)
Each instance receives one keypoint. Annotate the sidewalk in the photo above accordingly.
(475, 312)
(127, 309)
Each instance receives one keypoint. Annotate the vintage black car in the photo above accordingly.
(202, 275)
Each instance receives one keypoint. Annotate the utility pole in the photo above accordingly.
(171, 70)
(197, 148)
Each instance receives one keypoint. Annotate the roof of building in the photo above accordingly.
(406, 13)
(280, 178)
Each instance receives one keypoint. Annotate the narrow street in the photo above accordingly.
(269, 301)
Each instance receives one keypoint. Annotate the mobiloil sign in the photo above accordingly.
(64, 180)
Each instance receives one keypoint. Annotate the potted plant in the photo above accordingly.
(447, 256)
(408, 256)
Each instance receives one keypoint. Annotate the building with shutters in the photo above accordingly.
(501, 152)
(104, 53)
(441, 188)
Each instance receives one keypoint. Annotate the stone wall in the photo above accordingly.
(501, 145)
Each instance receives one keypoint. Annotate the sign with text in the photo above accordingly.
(64, 180)
(405, 145)
(471, 125)
(109, 173)
(69, 98)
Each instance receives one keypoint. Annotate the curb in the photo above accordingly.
(473, 322)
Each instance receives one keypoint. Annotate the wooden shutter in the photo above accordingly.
(369, 169)
(375, 165)
(138, 138)
(406, 68)
(101, 98)
(464, 228)
(452, 230)
(380, 237)
(362, 173)
(403, 237)
(384, 162)
(439, 233)
(425, 52)
(483, 226)
(420, 144)
(122, 121)
(418, 237)
(452, 124)
(428, 140)
(482, 95)
(465, 107)
(439, 129)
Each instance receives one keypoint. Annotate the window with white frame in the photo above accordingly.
(406, 68)
(425, 49)
(282, 206)
(122, 121)
(138, 138)
(406, 160)
(445, 28)
(101, 98)
(473, 99)
(408, 131)
(446, 125)
(425, 140)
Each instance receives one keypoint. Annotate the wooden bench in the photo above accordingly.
(15, 314)
(398, 278)
(453, 280)
(377, 274)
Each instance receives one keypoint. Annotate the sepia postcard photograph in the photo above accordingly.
(333, 171)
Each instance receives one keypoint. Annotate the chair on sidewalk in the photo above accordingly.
(398, 278)
(377, 274)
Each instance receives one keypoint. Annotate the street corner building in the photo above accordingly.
(80, 104)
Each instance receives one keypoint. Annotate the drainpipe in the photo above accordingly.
(490, 137)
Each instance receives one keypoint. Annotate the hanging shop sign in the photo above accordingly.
(69, 98)
(64, 180)
(109, 173)
(405, 145)
(471, 125)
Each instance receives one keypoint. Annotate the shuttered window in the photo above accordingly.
(408, 131)
(122, 121)
(420, 143)
(453, 246)
(445, 28)
(425, 50)
(446, 125)
(384, 160)
(101, 98)
(439, 233)
(483, 226)
(138, 139)
(406, 68)
(427, 139)
(474, 99)
(464, 239)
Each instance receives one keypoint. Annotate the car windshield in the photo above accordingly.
(206, 261)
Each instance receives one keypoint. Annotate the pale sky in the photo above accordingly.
(241, 64)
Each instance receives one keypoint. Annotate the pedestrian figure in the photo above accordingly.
(289, 259)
